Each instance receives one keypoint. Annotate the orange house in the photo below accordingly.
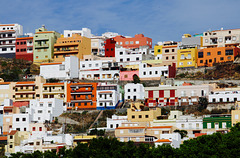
(82, 95)
(208, 56)
(133, 42)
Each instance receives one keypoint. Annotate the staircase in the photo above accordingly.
(99, 114)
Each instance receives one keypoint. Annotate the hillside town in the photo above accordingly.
(80, 86)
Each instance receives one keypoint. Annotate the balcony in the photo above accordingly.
(82, 100)
(54, 91)
(24, 98)
(7, 37)
(66, 44)
(41, 46)
(67, 51)
(80, 85)
(83, 93)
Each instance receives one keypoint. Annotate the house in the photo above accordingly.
(224, 96)
(61, 70)
(235, 114)
(85, 32)
(115, 121)
(108, 96)
(133, 91)
(173, 139)
(45, 109)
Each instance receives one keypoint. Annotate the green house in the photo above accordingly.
(217, 122)
(43, 44)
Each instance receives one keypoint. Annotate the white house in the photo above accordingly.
(65, 70)
(115, 121)
(191, 124)
(134, 91)
(45, 109)
(84, 32)
(224, 96)
(21, 122)
(126, 55)
(109, 34)
(173, 139)
(108, 96)
(147, 71)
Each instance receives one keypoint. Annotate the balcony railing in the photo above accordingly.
(41, 46)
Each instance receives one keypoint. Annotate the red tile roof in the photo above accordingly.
(20, 104)
(12, 132)
(200, 134)
(163, 140)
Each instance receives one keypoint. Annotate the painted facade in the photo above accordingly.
(24, 48)
(187, 57)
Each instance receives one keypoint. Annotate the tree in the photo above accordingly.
(136, 79)
(183, 133)
(203, 102)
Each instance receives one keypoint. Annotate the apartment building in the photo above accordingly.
(133, 91)
(209, 56)
(45, 109)
(25, 91)
(133, 42)
(235, 114)
(161, 96)
(8, 35)
(82, 96)
(115, 121)
(67, 69)
(221, 38)
(55, 90)
(21, 121)
(24, 48)
(6, 90)
(108, 96)
(43, 44)
(76, 45)
(169, 53)
(187, 57)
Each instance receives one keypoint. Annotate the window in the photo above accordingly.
(137, 58)
(159, 50)
(208, 53)
(201, 61)
(222, 58)
(40, 128)
(133, 116)
(128, 59)
(229, 52)
(121, 131)
(200, 54)
(23, 119)
(156, 72)
(137, 42)
(125, 76)
(236, 116)
(219, 52)
(39, 111)
(173, 57)
(150, 72)
(167, 50)
(17, 119)
(166, 58)
(206, 40)
(210, 60)
(144, 73)
(111, 126)
(10, 146)
(41, 104)
(146, 116)
(61, 67)
(209, 125)
(34, 129)
(131, 42)
(126, 42)
(220, 40)
(49, 104)
(38, 143)
(181, 63)
(129, 90)
(11, 137)
(234, 38)
(121, 53)
(90, 65)
(139, 116)
(121, 60)
(135, 130)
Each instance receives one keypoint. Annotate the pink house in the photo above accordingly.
(128, 75)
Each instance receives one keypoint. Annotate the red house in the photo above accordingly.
(110, 47)
(24, 48)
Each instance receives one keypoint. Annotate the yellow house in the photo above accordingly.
(157, 50)
(137, 113)
(83, 139)
(14, 138)
(236, 114)
(187, 57)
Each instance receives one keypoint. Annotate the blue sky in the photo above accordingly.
(162, 20)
